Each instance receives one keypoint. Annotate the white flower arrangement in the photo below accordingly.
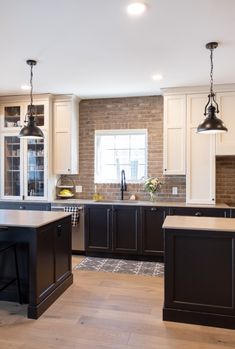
(152, 185)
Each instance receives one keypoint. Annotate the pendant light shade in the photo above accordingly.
(31, 130)
(211, 124)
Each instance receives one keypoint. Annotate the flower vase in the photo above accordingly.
(152, 196)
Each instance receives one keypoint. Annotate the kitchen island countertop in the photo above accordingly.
(200, 223)
(29, 219)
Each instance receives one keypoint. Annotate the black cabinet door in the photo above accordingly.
(126, 229)
(98, 228)
(62, 249)
(232, 213)
(200, 211)
(152, 232)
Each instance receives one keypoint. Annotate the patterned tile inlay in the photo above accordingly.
(121, 266)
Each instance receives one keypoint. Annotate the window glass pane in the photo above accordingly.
(108, 156)
(122, 156)
(109, 172)
(107, 142)
(138, 155)
(120, 150)
(137, 141)
(122, 142)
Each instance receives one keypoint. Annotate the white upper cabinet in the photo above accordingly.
(174, 135)
(65, 135)
(25, 170)
(200, 178)
(225, 143)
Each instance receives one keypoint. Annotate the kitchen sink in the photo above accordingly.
(119, 201)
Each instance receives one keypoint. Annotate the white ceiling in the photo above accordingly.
(92, 48)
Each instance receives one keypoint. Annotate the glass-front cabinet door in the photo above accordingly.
(11, 116)
(23, 168)
(11, 167)
(35, 169)
(39, 113)
(14, 115)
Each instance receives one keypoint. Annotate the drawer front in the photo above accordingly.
(200, 212)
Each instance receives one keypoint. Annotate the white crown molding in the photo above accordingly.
(197, 89)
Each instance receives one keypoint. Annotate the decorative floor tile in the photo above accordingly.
(121, 266)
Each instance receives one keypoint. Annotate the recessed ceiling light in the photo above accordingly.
(157, 77)
(25, 87)
(136, 8)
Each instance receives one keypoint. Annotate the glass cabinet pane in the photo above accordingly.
(11, 166)
(35, 167)
(12, 116)
(38, 112)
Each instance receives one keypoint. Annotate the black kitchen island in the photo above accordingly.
(44, 255)
(200, 270)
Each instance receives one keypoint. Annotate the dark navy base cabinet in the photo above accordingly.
(35, 206)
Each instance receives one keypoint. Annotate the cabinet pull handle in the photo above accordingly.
(22, 207)
(198, 214)
(69, 169)
(153, 209)
(59, 230)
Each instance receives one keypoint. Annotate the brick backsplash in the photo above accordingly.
(225, 179)
(124, 113)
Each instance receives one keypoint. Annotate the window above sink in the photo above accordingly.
(117, 150)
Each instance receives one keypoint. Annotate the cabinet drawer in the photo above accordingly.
(199, 211)
(25, 206)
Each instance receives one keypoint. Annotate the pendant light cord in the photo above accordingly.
(211, 73)
(31, 90)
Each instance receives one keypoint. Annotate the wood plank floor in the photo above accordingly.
(103, 311)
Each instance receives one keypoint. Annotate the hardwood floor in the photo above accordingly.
(103, 311)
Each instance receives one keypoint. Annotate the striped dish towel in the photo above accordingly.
(75, 214)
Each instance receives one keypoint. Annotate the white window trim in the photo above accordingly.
(122, 132)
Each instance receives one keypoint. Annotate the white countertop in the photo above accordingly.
(199, 223)
(135, 202)
(29, 219)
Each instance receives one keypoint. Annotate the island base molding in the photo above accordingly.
(35, 311)
(199, 318)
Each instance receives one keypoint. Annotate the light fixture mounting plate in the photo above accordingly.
(31, 62)
(212, 45)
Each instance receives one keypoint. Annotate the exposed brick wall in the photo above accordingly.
(225, 179)
(119, 113)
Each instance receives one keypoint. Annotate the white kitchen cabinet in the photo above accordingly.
(200, 177)
(174, 135)
(13, 112)
(23, 167)
(65, 135)
(225, 143)
(25, 164)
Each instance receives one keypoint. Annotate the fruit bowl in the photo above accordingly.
(65, 196)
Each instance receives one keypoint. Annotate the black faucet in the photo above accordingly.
(123, 183)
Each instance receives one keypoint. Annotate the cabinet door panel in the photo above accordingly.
(225, 143)
(152, 232)
(126, 229)
(11, 167)
(62, 160)
(174, 134)
(45, 262)
(97, 227)
(200, 178)
(62, 249)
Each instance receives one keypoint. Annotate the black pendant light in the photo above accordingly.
(31, 130)
(211, 124)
